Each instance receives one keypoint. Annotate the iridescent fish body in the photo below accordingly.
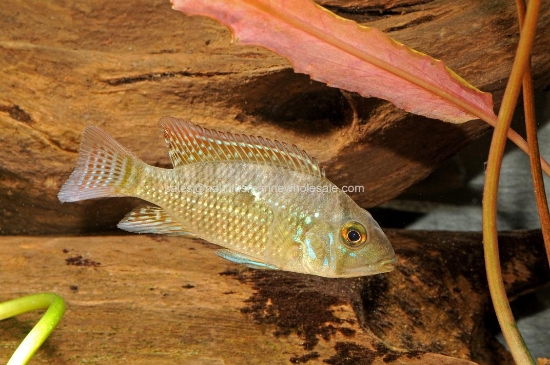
(267, 203)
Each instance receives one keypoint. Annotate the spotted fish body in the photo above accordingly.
(267, 203)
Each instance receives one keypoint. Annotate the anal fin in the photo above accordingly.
(152, 219)
(243, 259)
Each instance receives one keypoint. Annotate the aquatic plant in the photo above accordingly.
(354, 58)
(55, 306)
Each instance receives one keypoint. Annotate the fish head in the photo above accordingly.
(350, 243)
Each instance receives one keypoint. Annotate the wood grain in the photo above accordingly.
(144, 299)
(65, 65)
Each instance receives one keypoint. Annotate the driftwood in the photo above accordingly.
(123, 65)
(153, 299)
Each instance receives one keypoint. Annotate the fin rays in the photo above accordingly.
(243, 259)
(189, 143)
(152, 219)
(103, 169)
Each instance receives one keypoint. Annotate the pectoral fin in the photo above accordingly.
(246, 260)
(152, 220)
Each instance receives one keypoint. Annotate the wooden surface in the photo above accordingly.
(65, 65)
(152, 299)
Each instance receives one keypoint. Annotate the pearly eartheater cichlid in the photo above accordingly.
(267, 203)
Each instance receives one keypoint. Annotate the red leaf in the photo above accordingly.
(346, 55)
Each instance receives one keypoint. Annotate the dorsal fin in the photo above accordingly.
(189, 143)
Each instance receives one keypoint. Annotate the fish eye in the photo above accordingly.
(353, 234)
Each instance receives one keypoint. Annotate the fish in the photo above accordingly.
(268, 204)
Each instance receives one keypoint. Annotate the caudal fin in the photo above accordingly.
(104, 169)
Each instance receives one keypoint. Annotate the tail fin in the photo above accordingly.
(103, 169)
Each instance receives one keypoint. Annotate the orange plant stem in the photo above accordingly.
(532, 141)
(505, 318)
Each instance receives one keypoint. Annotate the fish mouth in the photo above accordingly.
(378, 268)
(387, 265)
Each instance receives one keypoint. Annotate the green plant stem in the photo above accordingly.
(490, 240)
(532, 141)
(55, 308)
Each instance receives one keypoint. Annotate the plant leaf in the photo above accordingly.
(343, 54)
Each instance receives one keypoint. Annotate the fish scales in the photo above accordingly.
(239, 220)
(268, 204)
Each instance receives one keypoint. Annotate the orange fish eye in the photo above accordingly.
(353, 234)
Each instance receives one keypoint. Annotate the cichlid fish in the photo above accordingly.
(267, 203)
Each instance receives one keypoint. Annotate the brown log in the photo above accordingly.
(123, 65)
(153, 299)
